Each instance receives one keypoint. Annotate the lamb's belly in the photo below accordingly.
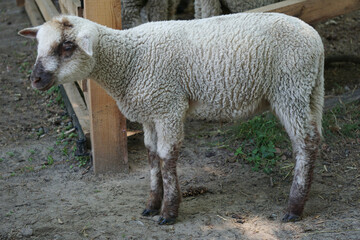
(208, 111)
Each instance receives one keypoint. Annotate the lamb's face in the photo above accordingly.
(65, 53)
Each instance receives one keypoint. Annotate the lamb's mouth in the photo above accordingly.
(43, 87)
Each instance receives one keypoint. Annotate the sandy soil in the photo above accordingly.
(45, 195)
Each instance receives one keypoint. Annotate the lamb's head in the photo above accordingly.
(65, 51)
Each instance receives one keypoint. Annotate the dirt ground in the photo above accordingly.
(44, 194)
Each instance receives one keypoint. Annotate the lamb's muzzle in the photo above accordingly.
(41, 79)
(217, 68)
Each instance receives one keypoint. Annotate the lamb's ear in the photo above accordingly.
(29, 32)
(86, 44)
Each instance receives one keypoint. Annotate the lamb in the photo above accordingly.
(136, 12)
(223, 67)
(210, 8)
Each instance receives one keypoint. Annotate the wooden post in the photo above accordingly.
(108, 125)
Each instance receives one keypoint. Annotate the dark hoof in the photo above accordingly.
(166, 221)
(149, 212)
(289, 217)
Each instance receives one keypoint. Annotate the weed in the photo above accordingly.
(40, 132)
(1, 159)
(32, 151)
(82, 160)
(9, 213)
(29, 168)
(72, 135)
(258, 137)
(65, 151)
(50, 160)
(30, 159)
(62, 135)
(343, 120)
(10, 154)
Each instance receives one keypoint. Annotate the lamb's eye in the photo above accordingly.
(66, 49)
(68, 46)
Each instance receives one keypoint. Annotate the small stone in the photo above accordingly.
(210, 154)
(26, 232)
(273, 216)
(331, 22)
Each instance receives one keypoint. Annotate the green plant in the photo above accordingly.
(32, 151)
(82, 160)
(65, 151)
(50, 160)
(259, 138)
(342, 120)
(10, 154)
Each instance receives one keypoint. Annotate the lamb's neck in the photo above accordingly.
(113, 56)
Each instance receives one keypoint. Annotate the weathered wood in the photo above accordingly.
(312, 11)
(79, 108)
(47, 9)
(108, 125)
(33, 13)
(70, 7)
(351, 96)
(20, 3)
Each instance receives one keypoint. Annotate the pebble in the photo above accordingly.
(26, 232)
(273, 216)
(210, 154)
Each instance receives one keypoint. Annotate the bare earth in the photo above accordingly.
(45, 195)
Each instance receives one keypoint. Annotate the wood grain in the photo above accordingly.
(108, 125)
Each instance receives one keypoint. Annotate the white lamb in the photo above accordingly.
(210, 8)
(216, 68)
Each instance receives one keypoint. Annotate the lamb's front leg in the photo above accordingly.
(153, 205)
(170, 134)
(172, 193)
(156, 186)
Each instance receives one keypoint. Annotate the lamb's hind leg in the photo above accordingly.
(305, 153)
(156, 185)
(304, 134)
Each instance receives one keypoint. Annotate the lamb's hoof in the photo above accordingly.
(149, 212)
(166, 221)
(290, 217)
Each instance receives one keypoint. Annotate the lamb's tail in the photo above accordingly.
(317, 97)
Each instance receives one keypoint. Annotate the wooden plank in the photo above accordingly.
(108, 125)
(312, 11)
(70, 7)
(20, 3)
(47, 9)
(33, 13)
(63, 8)
(79, 108)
